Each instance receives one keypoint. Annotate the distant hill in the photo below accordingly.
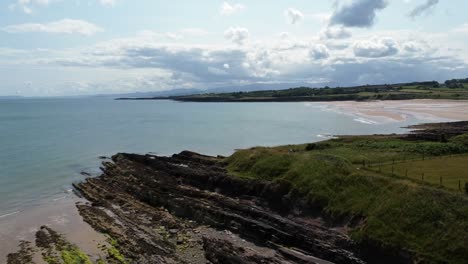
(224, 89)
(456, 89)
(254, 87)
(174, 92)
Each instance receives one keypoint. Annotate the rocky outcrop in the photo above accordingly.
(437, 131)
(187, 209)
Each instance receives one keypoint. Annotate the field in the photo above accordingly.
(342, 177)
(450, 172)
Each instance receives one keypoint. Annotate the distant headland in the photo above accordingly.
(455, 89)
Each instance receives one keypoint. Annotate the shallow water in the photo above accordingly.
(46, 143)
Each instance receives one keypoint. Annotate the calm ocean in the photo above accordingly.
(46, 143)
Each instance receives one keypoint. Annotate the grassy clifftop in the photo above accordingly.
(357, 177)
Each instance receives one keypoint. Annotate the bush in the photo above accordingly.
(311, 146)
(461, 139)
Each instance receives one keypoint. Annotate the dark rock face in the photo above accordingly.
(186, 209)
(23, 256)
(438, 131)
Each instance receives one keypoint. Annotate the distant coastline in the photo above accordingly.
(456, 89)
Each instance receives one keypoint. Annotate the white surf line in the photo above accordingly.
(5, 215)
(365, 121)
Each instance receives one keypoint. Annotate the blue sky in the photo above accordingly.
(74, 47)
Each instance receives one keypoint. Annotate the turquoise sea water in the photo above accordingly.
(46, 143)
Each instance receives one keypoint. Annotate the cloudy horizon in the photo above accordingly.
(65, 47)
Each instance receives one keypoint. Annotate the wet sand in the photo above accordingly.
(397, 111)
(61, 215)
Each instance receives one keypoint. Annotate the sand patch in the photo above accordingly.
(398, 111)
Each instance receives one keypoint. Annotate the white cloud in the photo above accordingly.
(238, 35)
(284, 35)
(379, 59)
(319, 51)
(293, 16)
(230, 9)
(415, 46)
(376, 48)
(64, 26)
(335, 33)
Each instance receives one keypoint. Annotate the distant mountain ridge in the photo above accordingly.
(224, 89)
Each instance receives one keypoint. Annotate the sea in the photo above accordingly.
(46, 143)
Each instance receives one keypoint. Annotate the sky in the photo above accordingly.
(81, 47)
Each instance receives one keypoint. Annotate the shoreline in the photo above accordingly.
(191, 208)
(402, 110)
(62, 213)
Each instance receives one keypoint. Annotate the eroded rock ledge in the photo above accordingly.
(187, 209)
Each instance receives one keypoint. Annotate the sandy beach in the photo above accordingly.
(388, 111)
(61, 215)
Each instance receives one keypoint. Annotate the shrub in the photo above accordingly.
(310, 146)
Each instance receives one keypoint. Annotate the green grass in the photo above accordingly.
(429, 222)
(73, 255)
(113, 251)
(452, 169)
(115, 254)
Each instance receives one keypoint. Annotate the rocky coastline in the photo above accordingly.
(187, 208)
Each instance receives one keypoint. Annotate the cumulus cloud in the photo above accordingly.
(238, 35)
(64, 26)
(423, 8)
(375, 48)
(319, 51)
(370, 60)
(335, 33)
(415, 46)
(358, 13)
(230, 9)
(293, 16)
